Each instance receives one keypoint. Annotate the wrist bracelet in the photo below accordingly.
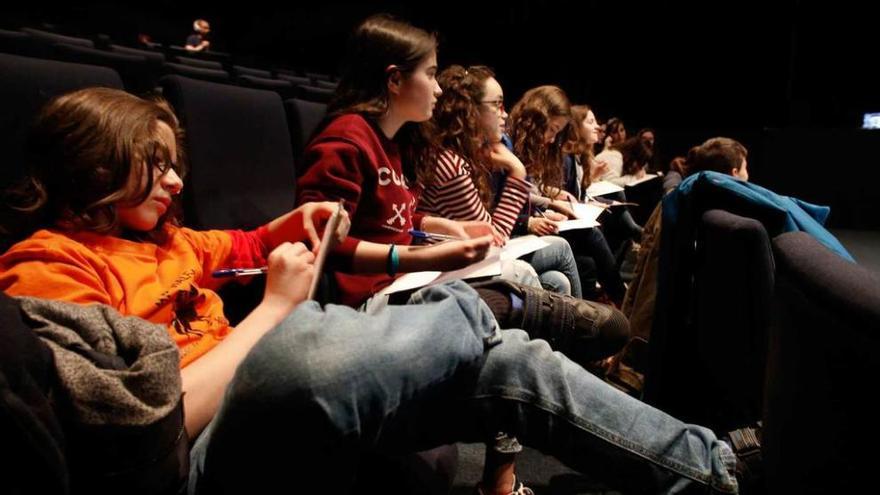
(393, 262)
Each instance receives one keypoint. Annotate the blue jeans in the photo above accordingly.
(591, 242)
(556, 267)
(329, 384)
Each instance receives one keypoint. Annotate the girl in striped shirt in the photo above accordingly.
(468, 124)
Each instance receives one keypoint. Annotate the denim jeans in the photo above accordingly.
(328, 385)
(591, 242)
(521, 272)
(618, 225)
(556, 267)
(517, 271)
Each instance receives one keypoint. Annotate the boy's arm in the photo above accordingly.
(204, 381)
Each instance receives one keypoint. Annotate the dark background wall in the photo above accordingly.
(773, 75)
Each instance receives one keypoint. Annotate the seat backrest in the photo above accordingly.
(822, 367)
(193, 72)
(26, 84)
(52, 38)
(241, 70)
(138, 75)
(317, 76)
(18, 43)
(311, 93)
(708, 368)
(204, 64)
(303, 117)
(241, 171)
(283, 88)
(296, 80)
(326, 84)
(155, 57)
(207, 55)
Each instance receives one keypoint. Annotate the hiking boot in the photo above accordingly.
(584, 331)
(746, 444)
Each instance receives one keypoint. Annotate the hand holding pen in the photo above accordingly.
(301, 223)
(433, 236)
(239, 272)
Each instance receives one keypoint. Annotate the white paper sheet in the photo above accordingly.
(522, 246)
(409, 281)
(587, 211)
(602, 187)
(581, 223)
(488, 267)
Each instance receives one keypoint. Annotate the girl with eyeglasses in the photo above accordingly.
(477, 177)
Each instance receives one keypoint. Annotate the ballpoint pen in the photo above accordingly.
(239, 272)
(418, 234)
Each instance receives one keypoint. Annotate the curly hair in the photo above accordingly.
(530, 119)
(84, 151)
(457, 124)
(378, 43)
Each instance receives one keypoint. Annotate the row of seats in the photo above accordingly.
(772, 327)
(753, 324)
(32, 42)
(141, 69)
(296, 118)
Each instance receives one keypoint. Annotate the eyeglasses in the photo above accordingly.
(496, 104)
(163, 167)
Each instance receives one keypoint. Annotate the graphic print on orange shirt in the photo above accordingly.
(184, 310)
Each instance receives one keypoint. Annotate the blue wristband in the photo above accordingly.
(393, 262)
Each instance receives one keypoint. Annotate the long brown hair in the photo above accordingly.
(614, 126)
(378, 43)
(85, 150)
(530, 119)
(579, 145)
(457, 123)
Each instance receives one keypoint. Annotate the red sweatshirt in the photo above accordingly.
(352, 160)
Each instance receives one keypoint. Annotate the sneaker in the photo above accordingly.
(584, 331)
(517, 489)
(749, 471)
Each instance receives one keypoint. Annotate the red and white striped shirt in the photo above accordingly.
(454, 195)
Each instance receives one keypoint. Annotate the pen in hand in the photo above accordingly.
(418, 234)
(239, 272)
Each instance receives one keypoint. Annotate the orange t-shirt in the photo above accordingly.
(169, 284)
